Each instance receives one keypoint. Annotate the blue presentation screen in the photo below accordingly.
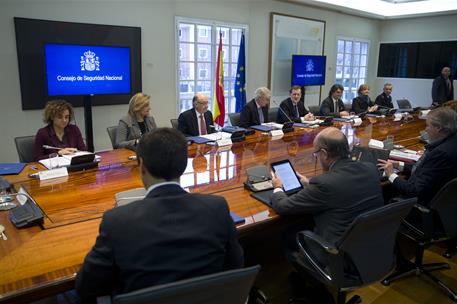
(308, 70)
(84, 70)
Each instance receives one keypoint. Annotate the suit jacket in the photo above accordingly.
(250, 116)
(440, 90)
(384, 100)
(72, 138)
(170, 235)
(335, 198)
(438, 166)
(288, 107)
(328, 109)
(128, 130)
(188, 124)
(360, 104)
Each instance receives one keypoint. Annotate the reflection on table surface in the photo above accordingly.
(41, 261)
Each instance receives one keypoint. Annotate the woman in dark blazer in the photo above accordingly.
(136, 123)
(363, 103)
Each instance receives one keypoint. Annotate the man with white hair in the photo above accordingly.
(255, 112)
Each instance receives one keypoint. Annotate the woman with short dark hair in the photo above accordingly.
(58, 133)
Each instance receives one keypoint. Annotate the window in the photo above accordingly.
(351, 65)
(197, 44)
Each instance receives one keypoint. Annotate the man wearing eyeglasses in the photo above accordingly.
(198, 120)
(346, 188)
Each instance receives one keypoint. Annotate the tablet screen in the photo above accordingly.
(286, 173)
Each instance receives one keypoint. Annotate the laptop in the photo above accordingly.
(366, 154)
(404, 105)
(291, 182)
(11, 168)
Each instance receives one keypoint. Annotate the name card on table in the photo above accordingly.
(357, 121)
(276, 133)
(224, 142)
(53, 173)
(398, 116)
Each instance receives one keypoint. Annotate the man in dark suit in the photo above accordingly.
(346, 189)
(333, 105)
(169, 235)
(255, 112)
(293, 108)
(385, 99)
(198, 120)
(442, 87)
(438, 164)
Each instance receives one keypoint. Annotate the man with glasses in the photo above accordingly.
(198, 120)
(255, 112)
(346, 189)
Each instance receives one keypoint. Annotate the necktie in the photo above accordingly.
(261, 118)
(297, 115)
(203, 130)
(336, 107)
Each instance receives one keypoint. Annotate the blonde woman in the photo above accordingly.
(363, 103)
(136, 123)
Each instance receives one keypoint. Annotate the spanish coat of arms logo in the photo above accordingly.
(90, 62)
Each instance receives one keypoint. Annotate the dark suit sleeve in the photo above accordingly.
(245, 117)
(325, 108)
(311, 199)
(281, 117)
(209, 122)
(433, 169)
(436, 89)
(356, 106)
(98, 272)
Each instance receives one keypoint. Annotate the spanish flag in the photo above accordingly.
(218, 96)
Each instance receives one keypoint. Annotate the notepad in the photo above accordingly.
(11, 168)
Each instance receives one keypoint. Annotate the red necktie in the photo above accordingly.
(202, 126)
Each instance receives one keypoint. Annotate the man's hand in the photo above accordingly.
(344, 113)
(309, 116)
(388, 166)
(276, 181)
(303, 179)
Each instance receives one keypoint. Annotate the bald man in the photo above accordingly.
(198, 120)
(442, 88)
(346, 189)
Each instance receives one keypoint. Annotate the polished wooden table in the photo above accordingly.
(39, 261)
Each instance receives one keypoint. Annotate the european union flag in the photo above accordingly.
(240, 82)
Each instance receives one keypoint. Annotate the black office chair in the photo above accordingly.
(228, 287)
(112, 135)
(316, 110)
(25, 148)
(234, 119)
(174, 123)
(364, 254)
(427, 225)
(272, 113)
(404, 104)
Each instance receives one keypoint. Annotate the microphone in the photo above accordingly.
(283, 112)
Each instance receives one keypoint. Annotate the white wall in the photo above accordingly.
(437, 28)
(156, 19)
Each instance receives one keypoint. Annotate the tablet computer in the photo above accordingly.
(290, 181)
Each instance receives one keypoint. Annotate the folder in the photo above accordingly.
(11, 168)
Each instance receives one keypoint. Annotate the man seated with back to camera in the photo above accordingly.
(346, 189)
(255, 112)
(333, 105)
(438, 164)
(293, 108)
(198, 120)
(168, 236)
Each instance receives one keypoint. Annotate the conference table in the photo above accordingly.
(43, 260)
